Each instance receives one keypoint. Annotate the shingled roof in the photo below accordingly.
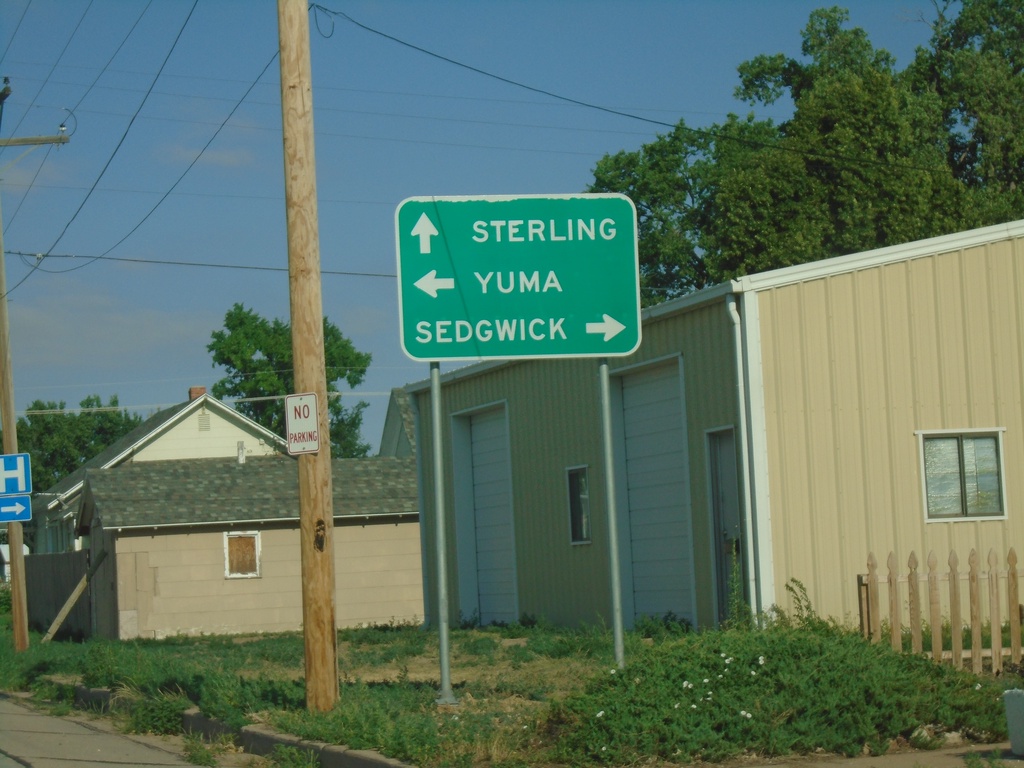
(189, 492)
(148, 431)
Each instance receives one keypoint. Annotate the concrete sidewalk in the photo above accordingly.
(30, 737)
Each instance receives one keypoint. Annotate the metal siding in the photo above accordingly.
(660, 520)
(554, 423)
(853, 365)
(492, 507)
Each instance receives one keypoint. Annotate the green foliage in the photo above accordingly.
(5, 597)
(786, 684)
(871, 156)
(396, 718)
(384, 644)
(198, 752)
(974, 760)
(655, 628)
(293, 757)
(160, 714)
(797, 685)
(257, 354)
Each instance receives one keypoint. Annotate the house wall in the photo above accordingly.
(174, 583)
(204, 435)
(853, 364)
(553, 410)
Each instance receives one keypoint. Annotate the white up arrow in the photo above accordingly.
(609, 326)
(424, 230)
(430, 283)
(17, 508)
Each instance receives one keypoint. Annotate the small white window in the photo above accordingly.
(242, 555)
(579, 505)
(963, 474)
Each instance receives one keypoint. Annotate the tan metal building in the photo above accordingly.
(780, 426)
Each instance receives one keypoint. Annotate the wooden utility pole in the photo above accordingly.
(316, 518)
(15, 537)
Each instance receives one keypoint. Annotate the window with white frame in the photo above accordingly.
(579, 505)
(963, 474)
(242, 555)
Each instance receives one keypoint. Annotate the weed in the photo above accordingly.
(973, 760)
(293, 757)
(159, 714)
(198, 752)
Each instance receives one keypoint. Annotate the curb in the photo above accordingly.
(255, 739)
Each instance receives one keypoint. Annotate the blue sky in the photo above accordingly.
(174, 169)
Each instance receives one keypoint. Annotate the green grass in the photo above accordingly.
(529, 693)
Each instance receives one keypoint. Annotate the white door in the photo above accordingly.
(492, 506)
(660, 526)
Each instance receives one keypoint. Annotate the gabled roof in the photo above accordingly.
(398, 438)
(191, 492)
(144, 434)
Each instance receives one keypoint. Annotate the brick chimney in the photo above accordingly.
(195, 393)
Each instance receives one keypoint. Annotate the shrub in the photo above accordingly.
(159, 714)
(774, 692)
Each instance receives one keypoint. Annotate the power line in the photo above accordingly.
(169, 263)
(840, 161)
(131, 122)
(49, 78)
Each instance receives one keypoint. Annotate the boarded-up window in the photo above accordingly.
(242, 555)
(963, 475)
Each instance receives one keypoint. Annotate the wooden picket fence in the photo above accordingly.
(941, 594)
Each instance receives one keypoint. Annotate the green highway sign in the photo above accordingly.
(518, 277)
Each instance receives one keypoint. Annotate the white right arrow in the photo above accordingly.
(17, 509)
(609, 326)
(430, 283)
(424, 230)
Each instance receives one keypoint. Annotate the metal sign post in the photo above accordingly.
(517, 277)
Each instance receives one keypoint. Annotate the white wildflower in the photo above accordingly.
(749, 715)
(693, 706)
(760, 660)
(601, 713)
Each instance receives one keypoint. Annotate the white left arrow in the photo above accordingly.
(17, 508)
(430, 283)
(424, 230)
(609, 326)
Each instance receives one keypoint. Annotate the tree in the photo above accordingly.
(60, 441)
(257, 354)
(975, 67)
(870, 157)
